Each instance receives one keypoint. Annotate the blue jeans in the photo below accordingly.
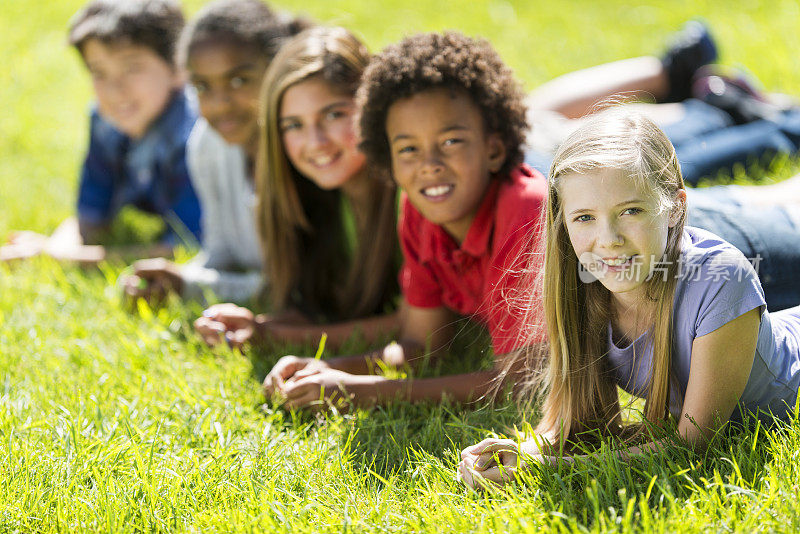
(707, 142)
(705, 154)
(766, 235)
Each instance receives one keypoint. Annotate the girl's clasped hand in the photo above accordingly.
(496, 461)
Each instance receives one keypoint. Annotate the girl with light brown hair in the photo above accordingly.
(326, 220)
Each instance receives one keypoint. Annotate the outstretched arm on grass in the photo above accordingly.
(720, 367)
(238, 326)
(304, 382)
(75, 241)
(71, 241)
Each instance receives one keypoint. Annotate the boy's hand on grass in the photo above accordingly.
(328, 386)
(152, 280)
(288, 368)
(23, 245)
(226, 323)
(27, 238)
(13, 252)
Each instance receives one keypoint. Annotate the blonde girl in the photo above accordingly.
(325, 219)
(633, 299)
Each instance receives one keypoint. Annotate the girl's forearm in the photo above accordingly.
(624, 454)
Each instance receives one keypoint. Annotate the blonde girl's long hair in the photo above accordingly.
(578, 393)
(311, 263)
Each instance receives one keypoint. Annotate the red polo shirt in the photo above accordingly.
(481, 277)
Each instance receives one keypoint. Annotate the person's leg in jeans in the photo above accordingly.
(768, 235)
(705, 138)
(706, 155)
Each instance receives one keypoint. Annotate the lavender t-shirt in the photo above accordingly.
(716, 285)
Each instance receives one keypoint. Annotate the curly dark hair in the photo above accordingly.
(154, 24)
(451, 60)
(245, 23)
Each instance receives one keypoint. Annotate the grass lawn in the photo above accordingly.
(112, 421)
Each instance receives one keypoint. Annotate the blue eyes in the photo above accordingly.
(626, 211)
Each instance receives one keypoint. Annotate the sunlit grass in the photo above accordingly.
(113, 421)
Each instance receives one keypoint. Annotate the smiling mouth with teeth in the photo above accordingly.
(321, 161)
(437, 190)
(616, 262)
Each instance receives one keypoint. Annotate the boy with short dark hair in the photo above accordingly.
(138, 130)
(444, 113)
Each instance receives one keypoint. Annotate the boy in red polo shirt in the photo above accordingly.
(445, 114)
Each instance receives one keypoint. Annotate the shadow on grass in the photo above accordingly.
(382, 439)
(390, 439)
(607, 489)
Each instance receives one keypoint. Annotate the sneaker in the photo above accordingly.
(691, 48)
(734, 76)
(734, 93)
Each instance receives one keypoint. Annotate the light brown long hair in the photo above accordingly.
(578, 393)
(311, 262)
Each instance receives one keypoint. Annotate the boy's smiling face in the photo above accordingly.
(132, 83)
(442, 155)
